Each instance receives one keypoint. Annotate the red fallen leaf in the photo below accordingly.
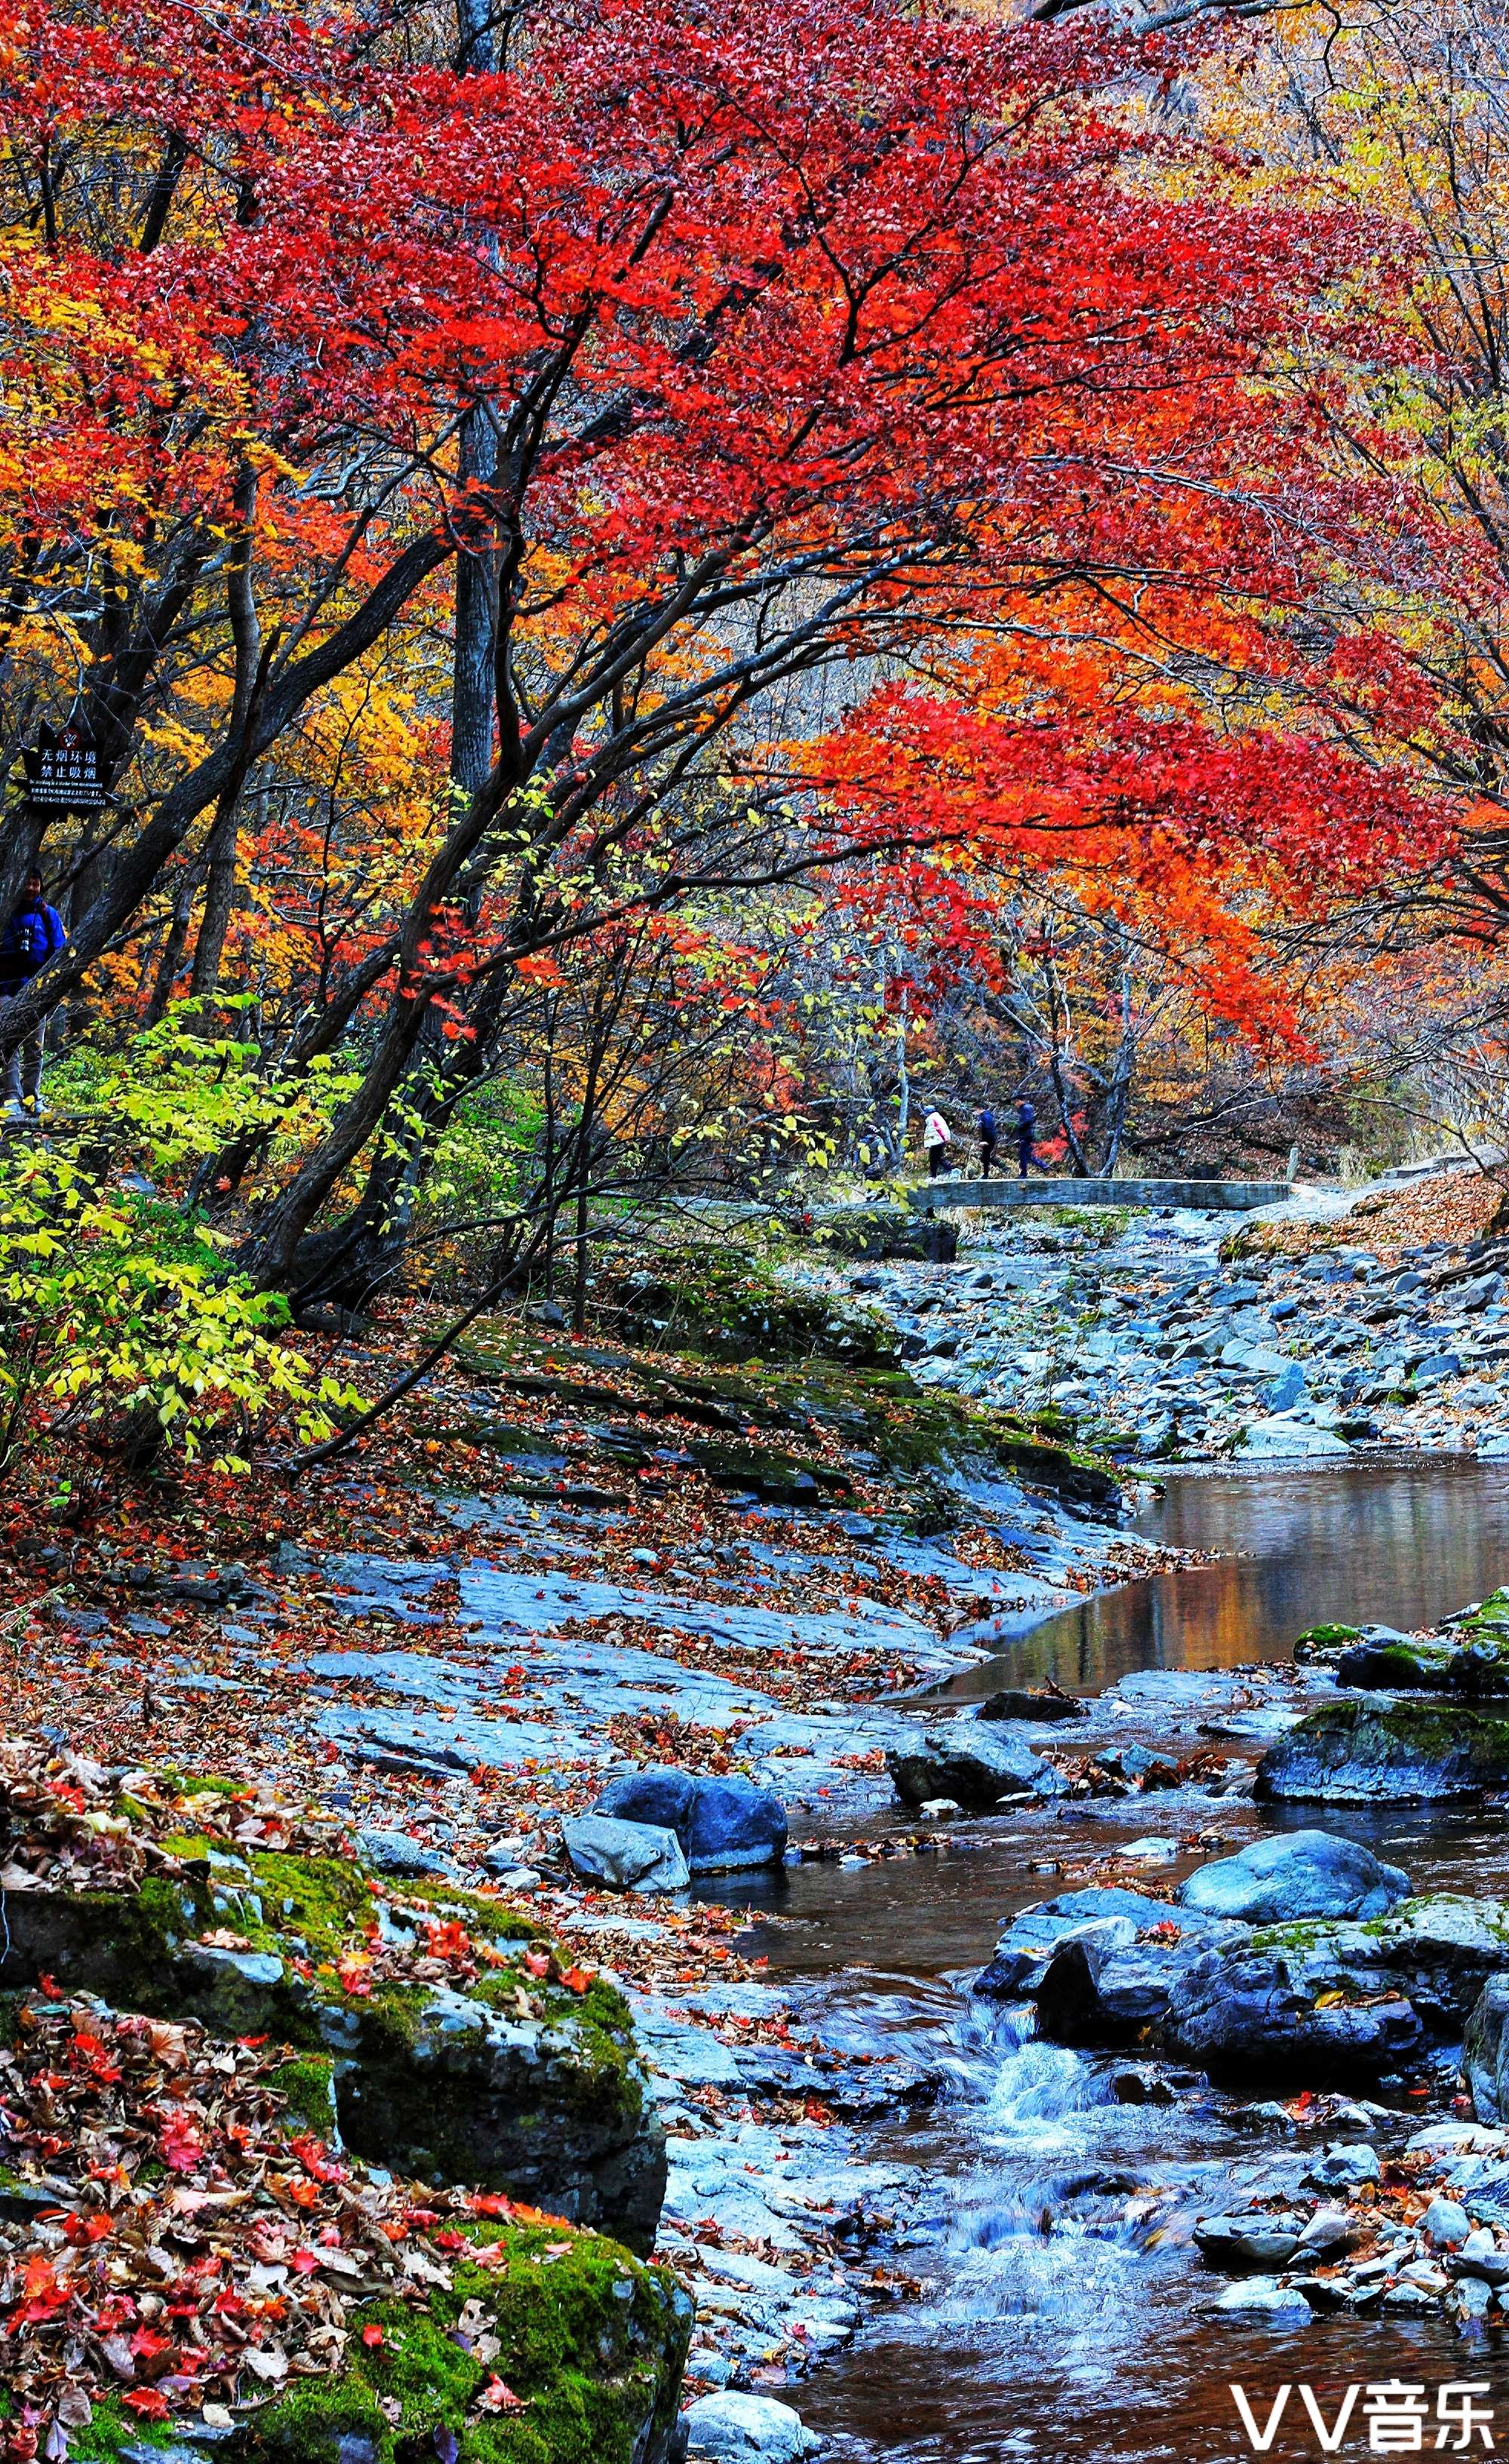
(491, 2203)
(150, 2401)
(352, 1978)
(371, 2335)
(496, 2397)
(180, 2150)
(303, 2262)
(83, 2229)
(537, 1963)
(303, 2194)
(50, 1989)
(577, 1979)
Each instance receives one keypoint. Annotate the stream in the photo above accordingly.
(1064, 2312)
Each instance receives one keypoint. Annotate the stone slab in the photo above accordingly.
(1208, 1197)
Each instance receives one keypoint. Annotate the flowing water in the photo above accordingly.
(1065, 2314)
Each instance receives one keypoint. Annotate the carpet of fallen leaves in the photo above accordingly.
(1450, 1206)
(174, 2239)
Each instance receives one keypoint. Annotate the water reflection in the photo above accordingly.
(1400, 1544)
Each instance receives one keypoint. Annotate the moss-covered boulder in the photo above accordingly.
(1363, 1752)
(1402, 1663)
(565, 2353)
(1336, 2003)
(487, 2068)
(730, 1307)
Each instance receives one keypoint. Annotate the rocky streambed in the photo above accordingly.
(1308, 1330)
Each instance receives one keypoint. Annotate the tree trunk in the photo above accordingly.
(220, 899)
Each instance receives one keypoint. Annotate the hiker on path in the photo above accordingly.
(937, 1138)
(987, 1134)
(35, 932)
(1026, 1125)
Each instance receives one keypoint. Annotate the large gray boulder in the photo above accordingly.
(1364, 1753)
(625, 1856)
(1112, 1979)
(1295, 1874)
(973, 1763)
(1025, 1951)
(1243, 2013)
(723, 1824)
(1337, 2004)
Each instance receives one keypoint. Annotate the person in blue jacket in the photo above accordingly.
(35, 932)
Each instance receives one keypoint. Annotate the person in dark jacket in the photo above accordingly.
(986, 1129)
(35, 933)
(1026, 1126)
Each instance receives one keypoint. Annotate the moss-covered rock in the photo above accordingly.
(1327, 2002)
(1363, 1752)
(587, 2347)
(513, 2083)
(542, 2351)
(730, 1307)
(1418, 1666)
(1322, 1645)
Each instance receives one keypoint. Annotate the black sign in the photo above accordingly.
(62, 771)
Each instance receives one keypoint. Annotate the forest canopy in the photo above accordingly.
(649, 588)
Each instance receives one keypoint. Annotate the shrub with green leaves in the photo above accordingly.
(121, 1317)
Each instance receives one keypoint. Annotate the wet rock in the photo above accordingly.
(1309, 1986)
(970, 1762)
(1485, 2051)
(1345, 2168)
(1481, 2258)
(1243, 2013)
(1382, 1660)
(1017, 1703)
(723, 1824)
(1137, 2084)
(1330, 2229)
(1363, 1752)
(1111, 1979)
(393, 1852)
(1446, 2223)
(1263, 2299)
(1295, 1874)
(1244, 2245)
(746, 2430)
(625, 1856)
(1025, 1951)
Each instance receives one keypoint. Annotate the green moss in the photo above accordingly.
(323, 1899)
(111, 2429)
(1490, 1616)
(591, 2343)
(308, 2082)
(1321, 1636)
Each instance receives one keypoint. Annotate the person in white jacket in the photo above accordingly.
(937, 1137)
